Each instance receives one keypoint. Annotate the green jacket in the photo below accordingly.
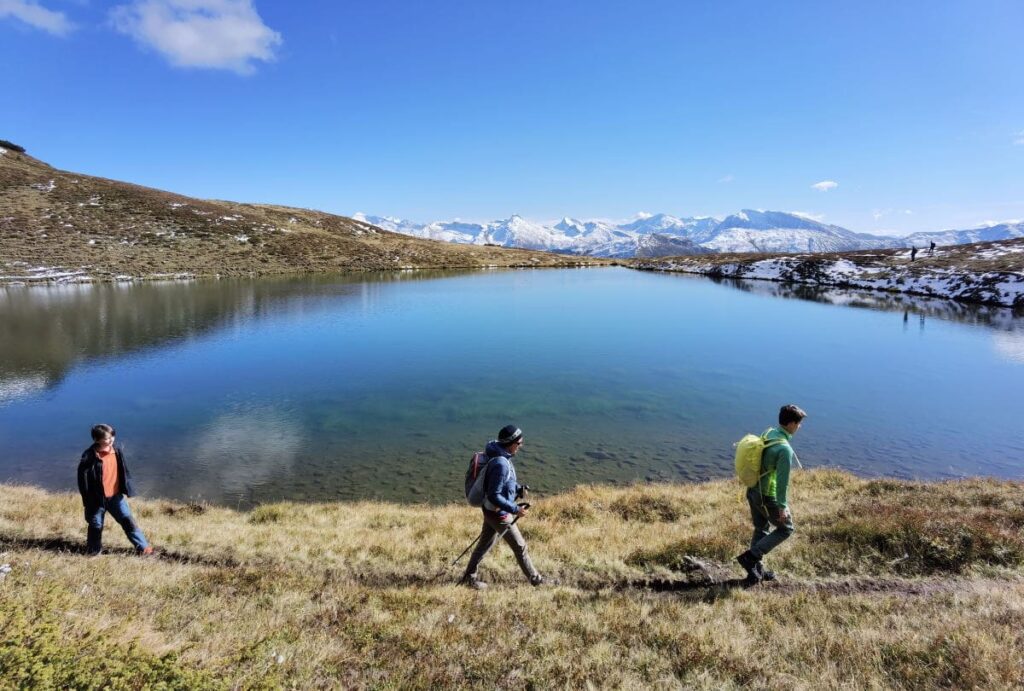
(775, 465)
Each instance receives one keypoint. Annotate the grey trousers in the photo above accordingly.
(763, 512)
(492, 528)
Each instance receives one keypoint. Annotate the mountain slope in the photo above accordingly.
(777, 231)
(999, 231)
(58, 225)
(747, 231)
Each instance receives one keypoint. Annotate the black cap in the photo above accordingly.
(509, 434)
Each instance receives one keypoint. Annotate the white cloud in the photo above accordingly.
(1010, 344)
(643, 214)
(805, 214)
(217, 34)
(1019, 140)
(261, 443)
(727, 178)
(879, 213)
(34, 14)
(825, 185)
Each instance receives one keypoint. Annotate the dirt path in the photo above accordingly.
(704, 579)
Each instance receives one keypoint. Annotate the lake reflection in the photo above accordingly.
(383, 385)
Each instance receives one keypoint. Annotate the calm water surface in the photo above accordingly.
(242, 392)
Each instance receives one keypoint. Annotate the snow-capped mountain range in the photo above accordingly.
(659, 235)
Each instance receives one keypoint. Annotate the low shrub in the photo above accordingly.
(672, 556)
(11, 146)
(649, 507)
(924, 541)
(267, 513)
(37, 652)
(183, 510)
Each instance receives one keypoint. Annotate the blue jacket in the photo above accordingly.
(500, 486)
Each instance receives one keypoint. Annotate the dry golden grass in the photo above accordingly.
(885, 584)
(106, 229)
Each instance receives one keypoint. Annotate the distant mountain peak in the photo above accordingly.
(649, 234)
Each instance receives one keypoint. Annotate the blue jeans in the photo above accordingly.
(764, 512)
(117, 505)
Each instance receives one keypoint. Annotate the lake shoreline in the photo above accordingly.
(54, 276)
(990, 273)
(356, 594)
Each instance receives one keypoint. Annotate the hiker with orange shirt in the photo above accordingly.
(105, 485)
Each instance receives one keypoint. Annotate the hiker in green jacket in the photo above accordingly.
(769, 505)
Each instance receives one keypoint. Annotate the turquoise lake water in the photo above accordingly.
(242, 392)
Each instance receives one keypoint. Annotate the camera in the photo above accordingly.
(521, 491)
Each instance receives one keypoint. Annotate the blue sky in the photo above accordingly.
(477, 110)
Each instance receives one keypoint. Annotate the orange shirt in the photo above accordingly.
(110, 483)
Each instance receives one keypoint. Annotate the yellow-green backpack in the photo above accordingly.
(749, 450)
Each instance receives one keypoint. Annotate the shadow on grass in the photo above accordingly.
(63, 545)
(707, 590)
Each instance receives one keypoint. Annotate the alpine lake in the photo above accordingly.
(381, 386)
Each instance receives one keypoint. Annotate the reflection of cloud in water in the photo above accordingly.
(21, 387)
(1010, 344)
(245, 449)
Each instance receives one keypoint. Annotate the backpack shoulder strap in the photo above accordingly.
(772, 442)
(480, 460)
(777, 442)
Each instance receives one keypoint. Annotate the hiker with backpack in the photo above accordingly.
(491, 484)
(763, 464)
(105, 485)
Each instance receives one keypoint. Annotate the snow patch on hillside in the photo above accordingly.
(1004, 288)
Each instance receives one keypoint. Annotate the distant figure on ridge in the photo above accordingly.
(913, 253)
(500, 511)
(105, 484)
(931, 249)
(768, 497)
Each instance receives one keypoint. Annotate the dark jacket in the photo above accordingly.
(500, 486)
(90, 478)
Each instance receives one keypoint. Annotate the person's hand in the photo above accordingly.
(523, 510)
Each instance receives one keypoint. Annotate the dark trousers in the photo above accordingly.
(492, 528)
(764, 513)
(118, 508)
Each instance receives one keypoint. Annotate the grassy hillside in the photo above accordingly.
(885, 584)
(60, 225)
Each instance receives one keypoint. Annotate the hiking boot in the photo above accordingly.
(474, 583)
(538, 581)
(764, 574)
(94, 553)
(750, 563)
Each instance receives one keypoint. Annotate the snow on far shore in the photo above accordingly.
(1005, 288)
